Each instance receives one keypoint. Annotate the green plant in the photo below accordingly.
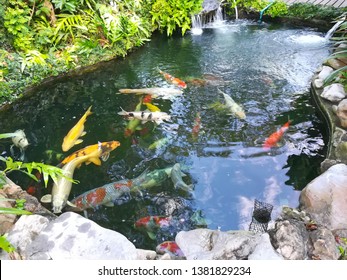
(170, 14)
(48, 171)
(340, 37)
(5, 244)
(310, 11)
(16, 20)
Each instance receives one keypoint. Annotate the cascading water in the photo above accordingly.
(197, 24)
(200, 21)
(333, 29)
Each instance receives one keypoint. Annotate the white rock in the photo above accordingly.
(325, 198)
(334, 92)
(318, 83)
(264, 250)
(325, 72)
(72, 236)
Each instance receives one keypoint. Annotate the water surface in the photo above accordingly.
(265, 68)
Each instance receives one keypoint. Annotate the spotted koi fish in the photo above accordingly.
(157, 117)
(104, 147)
(171, 248)
(173, 80)
(73, 136)
(109, 193)
(133, 124)
(150, 224)
(275, 137)
(106, 195)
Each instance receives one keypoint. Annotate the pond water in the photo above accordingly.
(264, 68)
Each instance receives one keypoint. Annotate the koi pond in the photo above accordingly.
(265, 68)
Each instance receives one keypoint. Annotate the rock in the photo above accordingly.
(72, 236)
(334, 92)
(341, 151)
(325, 72)
(341, 242)
(31, 203)
(6, 220)
(324, 245)
(335, 63)
(206, 244)
(341, 112)
(264, 250)
(318, 83)
(290, 239)
(146, 254)
(26, 229)
(325, 198)
(210, 5)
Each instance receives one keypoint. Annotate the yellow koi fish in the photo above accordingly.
(104, 152)
(72, 138)
(152, 107)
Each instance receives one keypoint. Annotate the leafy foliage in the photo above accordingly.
(340, 36)
(48, 171)
(310, 11)
(278, 8)
(170, 14)
(6, 245)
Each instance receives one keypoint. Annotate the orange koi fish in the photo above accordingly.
(173, 80)
(197, 126)
(72, 138)
(275, 137)
(147, 98)
(104, 147)
(151, 224)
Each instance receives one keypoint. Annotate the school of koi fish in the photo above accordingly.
(123, 190)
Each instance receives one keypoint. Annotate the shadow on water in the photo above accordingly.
(267, 69)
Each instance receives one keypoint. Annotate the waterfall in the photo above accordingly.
(333, 29)
(197, 24)
(200, 20)
(218, 16)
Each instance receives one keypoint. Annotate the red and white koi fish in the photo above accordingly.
(110, 193)
(157, 117)
(173, 80)
(275, 137)
(106, 195)
(171, 248)
(151, 224)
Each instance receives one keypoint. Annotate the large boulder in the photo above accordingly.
(206, 244)
(72, 236)
(25, 230)
(325, 198)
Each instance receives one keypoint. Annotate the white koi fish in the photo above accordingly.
(233, 107)
(145, 116)
(164, 93)
(62, 187)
